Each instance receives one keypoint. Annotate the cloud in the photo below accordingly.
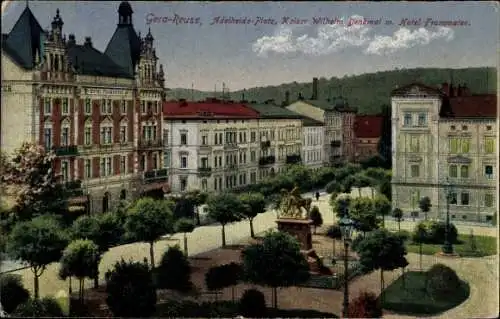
(332, 38)
(404, 38)
(328, 39)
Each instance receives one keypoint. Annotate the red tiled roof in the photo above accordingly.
(368, 126)
(208, 108)
(474, 106)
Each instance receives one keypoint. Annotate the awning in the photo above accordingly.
(78, 200)
(153, 186)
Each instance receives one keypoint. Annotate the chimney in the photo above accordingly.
(71, 40)
(88, 42)
(315, 89)
(445, 88)
(287, 98)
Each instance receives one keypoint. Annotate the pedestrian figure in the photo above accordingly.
(317, 195)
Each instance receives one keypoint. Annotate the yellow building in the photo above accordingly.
(445, 135)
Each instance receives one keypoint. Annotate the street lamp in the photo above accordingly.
(447, 246)
(346, 227)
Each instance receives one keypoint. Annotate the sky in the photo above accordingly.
(319, 39)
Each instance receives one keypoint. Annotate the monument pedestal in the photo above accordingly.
(301, 229)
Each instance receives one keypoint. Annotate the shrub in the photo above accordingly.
(45, 307)
(366, 305)
(253, 304)
(442, 281)
(12, 291)
(433, 232)
(334, 232)
(130, 290)
(404, 234)
(174, 271)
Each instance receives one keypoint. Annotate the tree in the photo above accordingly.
(398, 215)
(174, 271)
(361, 181)
(198, 198)
(32, 177)
(225, 208)
(365, 305)
(425, 205)
(340, 205)
(130, 290)
(420, 237)
(12, 292)
(361, 211)
(37, 242)
(334, 232)
(253, 204)
(282, 251)
(147, 221)
(382, 207)
(79, 260)
(220, 277)
(316, 217)
(184, 225)
(385, 142)
(104, 230)
(382, 250)
(347, 184)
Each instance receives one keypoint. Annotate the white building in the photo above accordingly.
(214, 145)
(313, 151)
(442, 135)
(337, 118)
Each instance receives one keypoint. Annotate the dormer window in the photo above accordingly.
(452, 127)
(464, 128)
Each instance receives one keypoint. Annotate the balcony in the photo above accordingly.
(74, 188)
(335, 143)
(154, 176)
(230, 146)
(293, 159)
(204, 171)
(150, 144)
(267, 160)
(205, 148)
(70, 150)
(265, 144)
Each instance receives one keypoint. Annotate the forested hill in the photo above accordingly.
(367, 91)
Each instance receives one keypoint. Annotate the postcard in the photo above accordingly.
(249, 159)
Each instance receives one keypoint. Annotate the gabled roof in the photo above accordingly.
(24, 40)
(417, 89)
(307, 121)
(274, 112)
(211, 108)
(368, 126)
(474, 106)
(124, 48)
(90, 61)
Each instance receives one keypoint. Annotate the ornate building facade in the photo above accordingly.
(445, 135)
(101, 112)
(216, 145)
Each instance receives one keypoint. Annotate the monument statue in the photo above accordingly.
(292, 205)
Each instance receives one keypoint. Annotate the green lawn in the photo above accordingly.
(409, 296)
(485, 246)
